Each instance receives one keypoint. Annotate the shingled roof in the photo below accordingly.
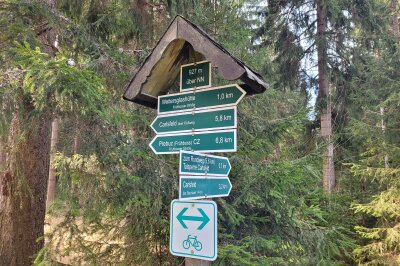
(183, 43)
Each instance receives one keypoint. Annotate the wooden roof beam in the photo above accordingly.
(182, 43)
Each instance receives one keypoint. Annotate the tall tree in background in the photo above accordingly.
(55, 124)
(374, 128)
(314, 51)
(37, 84)
(24, 181)
(298, 31)
(324, 96)
(51, 186)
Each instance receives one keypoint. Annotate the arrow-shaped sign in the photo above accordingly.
(222, 118)
(200, 187)
(213, 97)
(206, 141)
(204, 219)
(194, 163)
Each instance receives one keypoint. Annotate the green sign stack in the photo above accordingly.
(199, 119)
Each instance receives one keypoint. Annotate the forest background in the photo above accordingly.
(300, 196)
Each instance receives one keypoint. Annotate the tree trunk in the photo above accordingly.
(2, 154)
(77, 137)
(383, 128)
(52, 172)
(53, 142)
(75, 150)
(24, 185)
(395, 23)
(3, 160)
(3, 151)
(396, 34)
(324, 99)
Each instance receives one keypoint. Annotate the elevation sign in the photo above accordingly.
(213, 97)
(223, 118)
(194, 163)
(195, 76)
(206, 141)
(199, 187)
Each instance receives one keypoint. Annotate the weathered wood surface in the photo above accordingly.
(195, 262)
(183, 43)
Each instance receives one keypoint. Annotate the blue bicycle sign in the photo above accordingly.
(192, 241)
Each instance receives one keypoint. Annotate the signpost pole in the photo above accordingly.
(196, 262)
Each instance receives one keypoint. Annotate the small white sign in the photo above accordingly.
(193, 229)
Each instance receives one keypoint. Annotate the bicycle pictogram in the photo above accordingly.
(192, 241)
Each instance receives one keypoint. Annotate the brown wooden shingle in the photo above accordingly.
(183, 43)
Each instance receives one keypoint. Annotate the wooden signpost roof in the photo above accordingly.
(184, 43)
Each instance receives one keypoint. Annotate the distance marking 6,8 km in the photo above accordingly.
(205, 141)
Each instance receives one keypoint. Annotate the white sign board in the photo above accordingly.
(193, 229)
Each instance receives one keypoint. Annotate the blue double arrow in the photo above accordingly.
(203, 218)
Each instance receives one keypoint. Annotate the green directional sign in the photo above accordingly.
(199, 187)
(213, 97)
(223, 118)
(194, 163)
(206, 141)
(195, 76)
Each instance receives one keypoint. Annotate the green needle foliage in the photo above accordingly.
(278, 214)
(52, 84)
(373, 131)
(113, 194)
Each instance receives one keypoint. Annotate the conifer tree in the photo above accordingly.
(41, 83)
(375, 129)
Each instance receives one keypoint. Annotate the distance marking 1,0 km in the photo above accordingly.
(228, 95)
